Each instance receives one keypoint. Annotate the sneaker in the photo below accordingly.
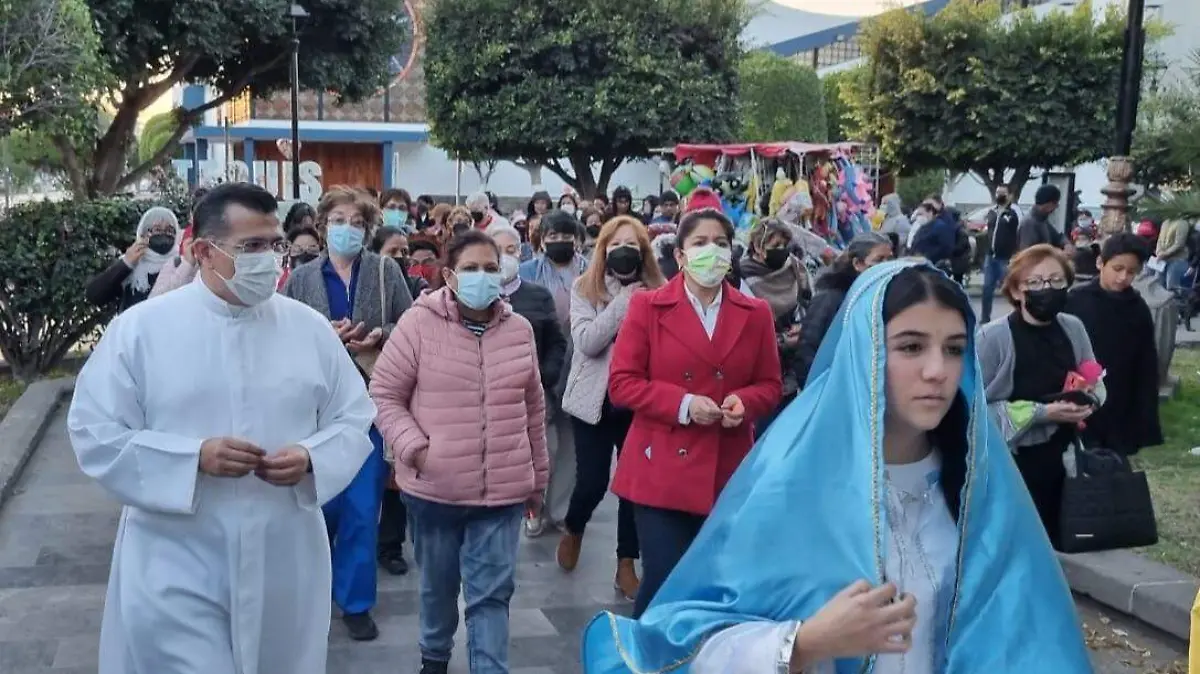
(534, 527)
(434, 667)
(361, 626)
(394, 563)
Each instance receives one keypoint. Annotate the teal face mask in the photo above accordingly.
(478, 289)
(345, 240)
(393, 218)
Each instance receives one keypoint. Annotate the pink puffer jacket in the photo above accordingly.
(463, 416)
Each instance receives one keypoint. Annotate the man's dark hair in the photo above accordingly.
(1047, 194)
(1124, 243)
(558, 221)
(209, 216)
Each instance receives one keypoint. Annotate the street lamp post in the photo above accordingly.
(1120, 165)
(296, 12)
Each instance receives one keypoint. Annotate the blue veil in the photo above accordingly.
(802, 518)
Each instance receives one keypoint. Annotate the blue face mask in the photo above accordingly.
(478, 289)
(394, 218)
(345, 240)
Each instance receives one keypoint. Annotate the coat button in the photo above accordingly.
(682, 452)
(687, 376)
(720, 375)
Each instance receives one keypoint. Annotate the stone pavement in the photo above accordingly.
(56, 537)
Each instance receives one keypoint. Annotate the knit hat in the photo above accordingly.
(701, 198)
(1047, 194)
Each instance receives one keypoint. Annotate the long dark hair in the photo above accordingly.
(842, 273)
(909, 288)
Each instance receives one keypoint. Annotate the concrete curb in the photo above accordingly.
(24, 425)
(1124, 581)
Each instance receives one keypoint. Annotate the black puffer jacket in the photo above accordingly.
(831, 289)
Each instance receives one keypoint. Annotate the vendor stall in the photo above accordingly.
(828, 189)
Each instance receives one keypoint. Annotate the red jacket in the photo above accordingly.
(662, 353)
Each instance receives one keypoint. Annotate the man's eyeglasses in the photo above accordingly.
(1037, 283)
(252, 246)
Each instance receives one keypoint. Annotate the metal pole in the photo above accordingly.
(295, 111)
(1131, 77)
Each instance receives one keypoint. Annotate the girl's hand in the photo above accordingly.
(859, 621)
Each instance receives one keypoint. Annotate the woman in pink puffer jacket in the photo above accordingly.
(462, 414)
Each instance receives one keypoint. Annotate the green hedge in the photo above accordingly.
(49, 251)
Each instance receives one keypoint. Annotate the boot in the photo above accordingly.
(627, 582)
(568, 551)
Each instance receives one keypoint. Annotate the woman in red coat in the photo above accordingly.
(696, 362)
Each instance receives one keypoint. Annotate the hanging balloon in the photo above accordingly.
(682, 181)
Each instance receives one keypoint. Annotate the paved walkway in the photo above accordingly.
(56, 543)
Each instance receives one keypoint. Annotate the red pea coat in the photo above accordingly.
(662, 353)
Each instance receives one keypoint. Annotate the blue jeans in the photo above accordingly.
(352, 519)
(474, 547)
(994, 271)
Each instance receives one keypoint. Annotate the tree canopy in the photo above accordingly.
(781, 100)
(967, 90)
(591, 81)
(233, 46)
(49, 67)
(837, 111)
(1166, 143)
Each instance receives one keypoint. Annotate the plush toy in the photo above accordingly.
(688, 176)
(779, 192)
(734, 190)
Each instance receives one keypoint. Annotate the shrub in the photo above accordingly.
(49, 251)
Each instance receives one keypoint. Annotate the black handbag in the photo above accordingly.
(1106, 505)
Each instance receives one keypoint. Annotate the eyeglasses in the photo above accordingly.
(252, 246)
(1038, 283)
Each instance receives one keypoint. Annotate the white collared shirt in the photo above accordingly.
(708, 319)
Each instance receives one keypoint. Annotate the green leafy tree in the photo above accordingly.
(155, 134)
(231, 45)
(914, 187)
(49, 251)
(49, 67)
(781, 100)
(1166, 143)
(593, 81)
(966, 91)
(837, 111)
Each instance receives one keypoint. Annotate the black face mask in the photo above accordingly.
(402, 261)
(477, 216)
(624, 261)
(459, 228)
(593, 231)
(161, 243)
(1046, 303)
(560, 252)
(777, 257)
(303, 258)
(1000, 201)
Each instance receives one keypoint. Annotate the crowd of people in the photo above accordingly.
(382, 371)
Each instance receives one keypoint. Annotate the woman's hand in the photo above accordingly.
(348, 331)
(371, 341)
(702, 410)
(1063, 412)
(134, 252)
(791, 338)
(859, 621)
(732, 412)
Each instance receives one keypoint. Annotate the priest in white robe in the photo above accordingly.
(222, 416)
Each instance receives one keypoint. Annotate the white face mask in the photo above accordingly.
(509, 267)
(255, 276)
(568, 208)
(708, 264)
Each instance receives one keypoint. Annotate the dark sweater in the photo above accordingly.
(109, 286)
(536, 304)
(1122, 334)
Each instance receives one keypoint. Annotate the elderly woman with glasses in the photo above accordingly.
(1028, 359)
(363, 295)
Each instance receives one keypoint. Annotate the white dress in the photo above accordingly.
(217, 575)
(920, 559)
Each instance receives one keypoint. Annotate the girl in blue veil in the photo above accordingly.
(879, 526)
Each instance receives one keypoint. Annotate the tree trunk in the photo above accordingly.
(607, 168)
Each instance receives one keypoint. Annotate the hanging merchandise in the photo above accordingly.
(779, 191)
(688, 176)
(734, 189)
